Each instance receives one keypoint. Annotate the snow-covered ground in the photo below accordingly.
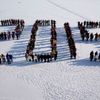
(63, 79)
(60, 10)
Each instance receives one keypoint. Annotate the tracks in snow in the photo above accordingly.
(62, 45)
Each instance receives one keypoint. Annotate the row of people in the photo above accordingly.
(8, 58)
(47, 57)
(90, 36)
(11, 22)
(9, 35)
(12, 35)
(31, 43)
(53, 40)
(82, 31)
(94, 56)
(86, 35)
(71, 42)
(45, 22)
(90, 24)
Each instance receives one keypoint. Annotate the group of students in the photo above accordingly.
(43, 57)
(90, 24)
(43, 22)
(85, 35)
(31, 44)
(12, 35)
(90, 36)
(8, 58)
(53, 41)
(71, 42)
(9, 35)
(94, 56)
(12, 22)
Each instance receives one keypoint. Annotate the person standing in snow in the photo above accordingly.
(11, 58)
(87, 36)
(3, 58)
(35, 58)
(13, 35)
(8, 58)
(91, 36)
(91, 55)
(9, 35)
(96, 56)
(26, 56)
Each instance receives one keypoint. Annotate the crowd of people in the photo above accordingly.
(46, 22)
(8, 58)
(46, 57)
(52, 55)
(94, 56)
(31, 44)
(12, 22)
(19, 26)
(85, 35)
(71, 42)
(90, 24)
(12, 35)
(53, 41)
(9, 35)
(43, 22)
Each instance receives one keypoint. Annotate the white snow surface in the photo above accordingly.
(63, 79)
(64, 10)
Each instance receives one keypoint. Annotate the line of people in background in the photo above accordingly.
(71, 42)
(12, 22)
(12, 35)
(94, 56)
(90, 24)
(8, 58)
(86, 35)
(45, 22)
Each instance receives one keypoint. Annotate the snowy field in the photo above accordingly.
(63, 79)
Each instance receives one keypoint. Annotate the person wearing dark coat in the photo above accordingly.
(96, 36)
(82, 36)
(11, 58)
(13, 35)
(91, 36)
(91, 55)
(96, 56)
(87, 36)
(8, 58)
